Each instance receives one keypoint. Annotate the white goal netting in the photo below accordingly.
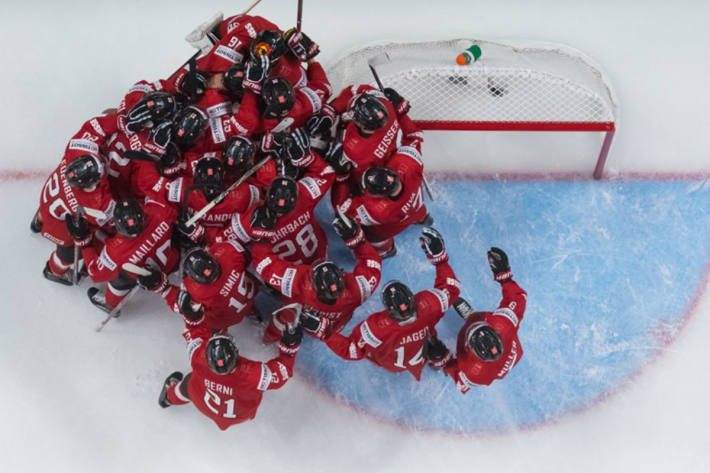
(541, 86)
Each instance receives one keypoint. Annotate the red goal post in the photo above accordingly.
(536, 87)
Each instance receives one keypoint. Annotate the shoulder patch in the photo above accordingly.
(412, 152)
(265, 378)
(287, 282)
(368, 336)
(364, 287)
(84, 145)
(263, 264)
(442, 296)
(229, 54)
(192, 347)
(508, 314)
(106, 261)
(313, 98)
(364, 216)
(311, 186)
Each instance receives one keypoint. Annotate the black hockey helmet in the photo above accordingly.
(84, 171)
(268, 42)
(128, 217)
(399, 301)
(209, 176)
(278, 96)
(222, 354)
(188, 126)
(328, 280)
(151, 109)
(282, 195)
(380, 181)
(238, 155)
(485, 341)
(369, 113)
(233, 79)
(171, 157)
(201, 267)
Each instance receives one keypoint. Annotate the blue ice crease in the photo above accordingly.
(610, 269)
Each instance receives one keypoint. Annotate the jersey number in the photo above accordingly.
(415, 360)
(305, 239)
(213, 402)
(245, 289)
(58, 209)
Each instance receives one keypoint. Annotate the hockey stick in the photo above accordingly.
(383, 59)
(283, 125)
(76, 217)
(114, 312)
(299, 15)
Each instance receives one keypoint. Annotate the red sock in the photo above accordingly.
(115, 296)
(58, 266)
(175, 396)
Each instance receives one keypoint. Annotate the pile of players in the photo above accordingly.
(251, 129)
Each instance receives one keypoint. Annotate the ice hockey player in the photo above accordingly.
(401, 337)
(72, 189)
(225, 386)
(143, 238)
(217, 291)
(392, 199)
(322, 293)
(287, 218)
(488, 346)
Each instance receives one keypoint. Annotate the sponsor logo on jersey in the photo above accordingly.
(313, 98)
(262, 265)
(508, 314)
(250, 30)
(368, 337)
(235, 123)
(371, 263)
(236, 245)
(218, 110)
(442, 296)
(84, 145)
(283, 370)
(192, 346)
(105, 261)
(364, 216)
(229, 54)
(364, 287)
(97, 127)
(287, 282)
(312, 186)
(145, 247)
(239, 230)
(175, 190)
(265, 378)
(217, 130)
(140, 87)
(412, 152)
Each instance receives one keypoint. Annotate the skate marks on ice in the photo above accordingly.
(611, 270)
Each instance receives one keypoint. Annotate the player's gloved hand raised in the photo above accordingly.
(193, 232)
(322, 122)
(349, 230)
(498, 261)
(139, 117)
(303, 47)
(192, 312)
(159, 139)
(194, 83)
(337, 160)
(436, 353)
(296, 148)
(273, 141)
(433, 245)
(316, 325)
(156, 281)
(257, 71)
(291, 340)
(78, 228)
(262, 217)
(401, 105)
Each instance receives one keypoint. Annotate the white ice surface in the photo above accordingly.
(72, 400)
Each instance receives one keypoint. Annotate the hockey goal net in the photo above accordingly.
(510, 88)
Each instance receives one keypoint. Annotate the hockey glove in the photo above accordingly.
(303, 47)
(401, 105)
(193, 232)
(498, 261)
(192, 312)
(78, 228)
(433, 245)
(257, 72)
(463, 308)
(156, 281)
(271, 142)
(159, 139)
(348, 230)
(296, 148)
(321, 123)
(263, 218)
(337, 160)
(291, 340)
(194, 82)
(138, 118)
(435, 352)
(317, 326)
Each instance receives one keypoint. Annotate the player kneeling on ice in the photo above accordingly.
(224, 386)
(143, 239)
(216, 292)
(403, 337)
(323, 293)
(488, 346)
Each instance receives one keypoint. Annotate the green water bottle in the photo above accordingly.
(469, 56)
